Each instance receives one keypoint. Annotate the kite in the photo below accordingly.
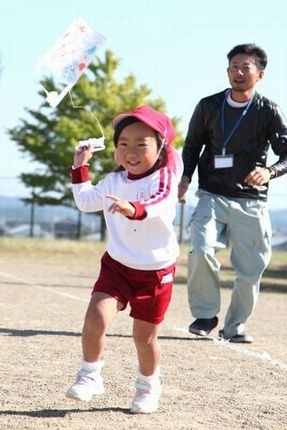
(67, 61)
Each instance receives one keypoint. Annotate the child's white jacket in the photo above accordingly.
(148, 241)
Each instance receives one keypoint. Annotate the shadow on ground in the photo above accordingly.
(61, 413)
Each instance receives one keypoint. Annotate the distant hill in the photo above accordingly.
(279, 219)
(14, 209)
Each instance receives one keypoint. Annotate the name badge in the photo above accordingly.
(223, 161)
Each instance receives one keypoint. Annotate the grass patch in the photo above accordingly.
(48, 246)
(69, 251)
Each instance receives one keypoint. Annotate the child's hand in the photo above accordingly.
(121, 206)
(82, 155)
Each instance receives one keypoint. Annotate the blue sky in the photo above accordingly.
(177, 47)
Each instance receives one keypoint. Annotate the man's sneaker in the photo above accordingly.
(203, 326)
(87, 384)
(238, 338)
(147, 396)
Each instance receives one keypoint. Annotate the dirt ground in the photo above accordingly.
(207, 384)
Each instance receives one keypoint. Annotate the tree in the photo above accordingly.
(50, 135)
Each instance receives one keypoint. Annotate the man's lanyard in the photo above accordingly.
(227, 139)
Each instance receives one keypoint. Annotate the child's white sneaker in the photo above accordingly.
(87, 384)
(148, 390)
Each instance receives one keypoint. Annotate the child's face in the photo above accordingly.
(137, 149)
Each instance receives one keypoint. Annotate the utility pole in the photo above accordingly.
(32, 215)
(181, 222)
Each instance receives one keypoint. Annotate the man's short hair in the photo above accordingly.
(258, 54)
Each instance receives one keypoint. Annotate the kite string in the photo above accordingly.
(90, 112)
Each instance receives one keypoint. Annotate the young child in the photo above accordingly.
(139, 202)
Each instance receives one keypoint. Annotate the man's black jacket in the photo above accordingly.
(263, 126)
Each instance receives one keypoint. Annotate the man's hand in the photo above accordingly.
(121, 206)
(257, 177)
(182, 189)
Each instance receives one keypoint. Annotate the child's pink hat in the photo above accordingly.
(158, 121)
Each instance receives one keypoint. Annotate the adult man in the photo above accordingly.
(228, 138)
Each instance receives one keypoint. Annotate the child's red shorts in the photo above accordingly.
(147, 291)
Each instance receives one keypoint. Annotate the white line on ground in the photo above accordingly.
(41, 287)
(263, 356)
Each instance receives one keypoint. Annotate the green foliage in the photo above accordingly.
(51, 134)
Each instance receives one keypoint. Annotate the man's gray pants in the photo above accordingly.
(245, 225)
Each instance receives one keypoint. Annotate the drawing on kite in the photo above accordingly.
(70, 57)
(67, 61)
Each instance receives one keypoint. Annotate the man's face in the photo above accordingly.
(243, 73)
